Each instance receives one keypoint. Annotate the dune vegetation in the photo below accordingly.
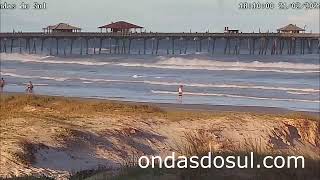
(45, 137)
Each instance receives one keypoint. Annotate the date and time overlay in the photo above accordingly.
(242, 5)
(281, 5)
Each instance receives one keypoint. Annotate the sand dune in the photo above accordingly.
(58, 136)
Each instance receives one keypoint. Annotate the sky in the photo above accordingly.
(157, 15)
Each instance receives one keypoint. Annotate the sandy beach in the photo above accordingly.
(57, 136)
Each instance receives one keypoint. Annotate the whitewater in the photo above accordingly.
(290, 82)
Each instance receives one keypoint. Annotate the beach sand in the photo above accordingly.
(57, 136)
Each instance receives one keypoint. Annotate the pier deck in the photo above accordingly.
(159, 35)
(121, 43)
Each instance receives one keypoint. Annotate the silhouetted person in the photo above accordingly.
(180, 93)
(2, 84)
(29, 88)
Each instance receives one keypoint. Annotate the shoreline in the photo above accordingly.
(189, 107)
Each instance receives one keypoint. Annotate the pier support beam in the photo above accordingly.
(235, 50)
(253, 46)
(226, 45)
(262, 46)
(274, 47)
(303, 45)
(186, 45)
(310, 46)
(64, 47)
(57, 40)
(172, 46)
(51, 46)
(181, 45)
(116, 47)
(94, 45)
(229, 46)
(123, 48)
(157, 46)
(281, 46)
(34, 48)
(213, 45)
(71, 45)
(87, 46)
(144, 46)
(20, 46)
(11, 48)
(81, 46)
(110, 46)
(238, 45)
(28, 45)
(294, 46)
(152, 46)
(100, 45)
(5, 45)
(129, 46)
(300, 46)
(42, 44)
(265, 46)
(208, 45)
(289, 46)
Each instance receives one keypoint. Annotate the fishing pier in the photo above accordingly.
(120, 40)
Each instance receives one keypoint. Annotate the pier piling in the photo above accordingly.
(71, 45)
(124, 43)
(157, 46)
(129, 46)
(57, 46)
(172, 46)
(11, 48)
(100, 45)
(213, 45)
(20, 48)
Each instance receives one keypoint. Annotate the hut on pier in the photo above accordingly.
(61, 27)
(290, 29)
(231, 31)
(121, 26)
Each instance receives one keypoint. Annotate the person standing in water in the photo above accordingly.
(180, 93)
(29, 87)
(2, 83)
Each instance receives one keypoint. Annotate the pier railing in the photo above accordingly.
(158, 35)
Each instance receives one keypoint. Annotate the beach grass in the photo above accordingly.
(71, 119)
(13, 106)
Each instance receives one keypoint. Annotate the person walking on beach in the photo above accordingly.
(29, 88)
(180, 93)
(2, 83)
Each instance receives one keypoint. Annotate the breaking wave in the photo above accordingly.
(256, 66)
(175, 63)
(290, 90)
(26, 58)
(34, 77)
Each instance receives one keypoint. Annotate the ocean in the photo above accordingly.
(290, 82)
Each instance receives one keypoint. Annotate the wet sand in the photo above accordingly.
(196, 107)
